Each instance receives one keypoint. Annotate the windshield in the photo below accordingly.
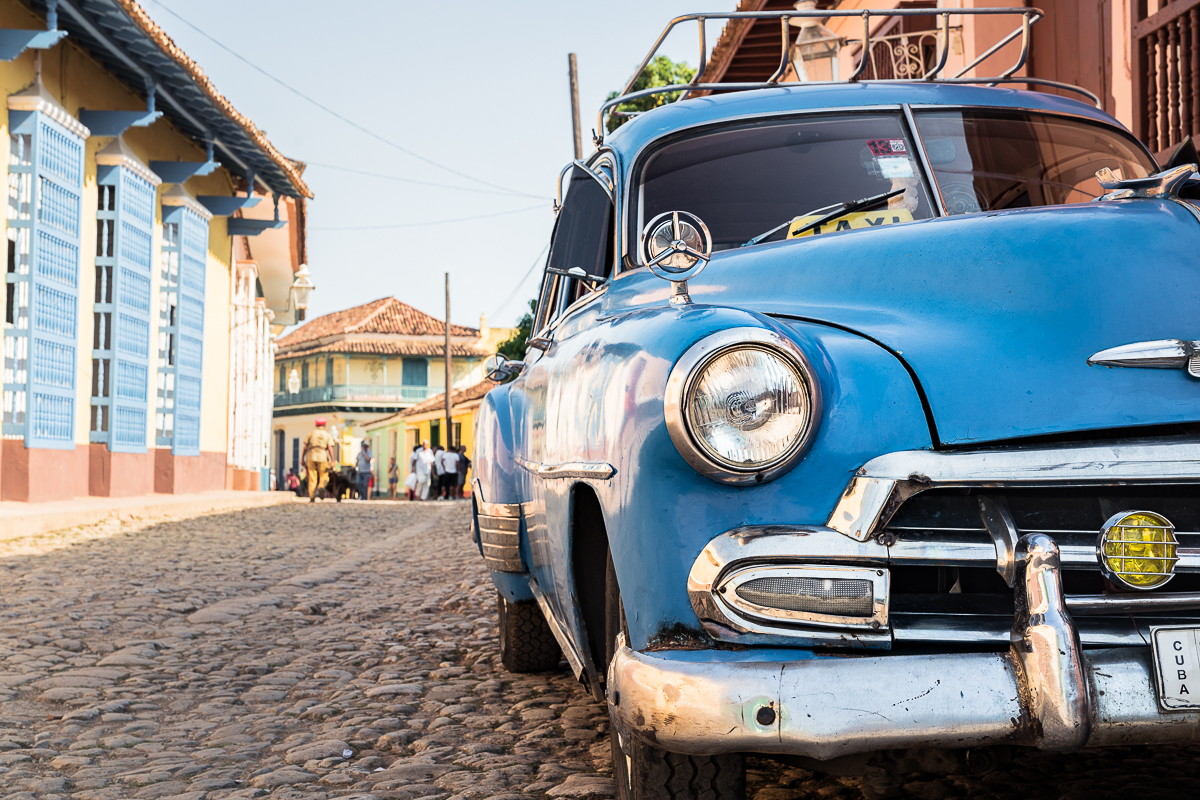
(746, 179)
(986, 159)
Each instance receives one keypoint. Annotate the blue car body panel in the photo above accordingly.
(944, 332)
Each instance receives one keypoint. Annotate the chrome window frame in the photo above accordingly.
(548, 314)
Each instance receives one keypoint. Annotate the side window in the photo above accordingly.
(582, 240)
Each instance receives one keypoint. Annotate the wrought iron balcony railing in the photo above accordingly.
(364, 393)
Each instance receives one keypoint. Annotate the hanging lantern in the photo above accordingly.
(815, 54)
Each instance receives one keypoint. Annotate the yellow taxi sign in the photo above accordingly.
(849, 222)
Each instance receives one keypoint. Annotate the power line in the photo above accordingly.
(423, 224)
(520, 283)
(408, 180)
(331, 112)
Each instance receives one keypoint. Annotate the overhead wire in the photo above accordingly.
(397, 178)
(333, 113)
(517, 286)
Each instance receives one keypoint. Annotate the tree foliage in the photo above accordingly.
(661, 71)
(514, 348)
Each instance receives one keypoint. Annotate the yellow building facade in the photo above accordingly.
(127, 174)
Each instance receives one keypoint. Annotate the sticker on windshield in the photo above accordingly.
(894, 166)
(885, 147)
(850, 222)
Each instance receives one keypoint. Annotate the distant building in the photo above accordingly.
(137, 329)
(398, 434)
(353, 366)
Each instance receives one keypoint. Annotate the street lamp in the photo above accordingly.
(293, 382)
(815, 53)
(301, 290)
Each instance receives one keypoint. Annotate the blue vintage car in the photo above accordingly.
(858, 429)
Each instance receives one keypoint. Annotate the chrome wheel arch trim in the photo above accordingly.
(882, 484)
(679, 384)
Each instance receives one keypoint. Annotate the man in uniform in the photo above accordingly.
(318, 457)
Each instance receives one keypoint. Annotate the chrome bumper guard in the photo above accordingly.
(1046, 692)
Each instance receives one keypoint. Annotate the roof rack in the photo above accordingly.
(1028, 16)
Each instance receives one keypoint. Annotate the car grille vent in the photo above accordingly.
(962, 598)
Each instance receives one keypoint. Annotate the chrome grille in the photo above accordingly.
(945, 583)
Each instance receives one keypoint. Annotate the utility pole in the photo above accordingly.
(574, 70)
(449, 427)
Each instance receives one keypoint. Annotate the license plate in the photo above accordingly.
(1177, 667)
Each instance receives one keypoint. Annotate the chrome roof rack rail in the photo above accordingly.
(1028, 17)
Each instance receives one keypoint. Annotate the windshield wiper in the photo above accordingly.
(834, 211)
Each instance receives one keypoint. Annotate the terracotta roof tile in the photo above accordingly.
(143, 21)
(432, 404)
(385, 315)
(385, 347)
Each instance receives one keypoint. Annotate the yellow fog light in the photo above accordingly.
(1137, 549)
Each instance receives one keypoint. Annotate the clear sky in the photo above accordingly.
(478, 87)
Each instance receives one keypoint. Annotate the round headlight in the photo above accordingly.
(1138, 549)
(740, 405)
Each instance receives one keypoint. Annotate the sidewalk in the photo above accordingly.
(27, 519)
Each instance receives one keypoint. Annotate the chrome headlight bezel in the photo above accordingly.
(682, 380)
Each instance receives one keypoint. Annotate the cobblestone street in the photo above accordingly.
(339, 651)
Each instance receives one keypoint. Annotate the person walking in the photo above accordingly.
(362, 476)
(393, 477)
(464, 464)
(292, 481)
(438, 471)
(424, 470)
(449, 473)
(410, 482)
(317, 457)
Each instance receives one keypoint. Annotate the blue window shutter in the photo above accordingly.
(193, 258)
(54, 283)
(132, 259)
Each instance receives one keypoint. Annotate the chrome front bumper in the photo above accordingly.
(1045, 692)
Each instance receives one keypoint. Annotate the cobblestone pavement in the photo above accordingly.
(341, 651)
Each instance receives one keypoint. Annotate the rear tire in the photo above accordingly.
(642, 772)
(526, 642)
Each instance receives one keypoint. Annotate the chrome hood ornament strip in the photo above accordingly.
(1157, 354)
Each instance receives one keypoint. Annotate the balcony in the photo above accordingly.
(356, 393)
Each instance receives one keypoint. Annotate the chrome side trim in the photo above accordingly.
(564, 642)
(1083, 605)
(1046, 645)
(587, 470)
(885, 482)
(1158, 354)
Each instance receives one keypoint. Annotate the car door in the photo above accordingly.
(580, 261)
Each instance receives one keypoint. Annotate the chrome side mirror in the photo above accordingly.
(676, 246)
(499, 369)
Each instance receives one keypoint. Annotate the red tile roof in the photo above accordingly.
(385, 315)
(434, 403)
(143, 21)
(386, 347)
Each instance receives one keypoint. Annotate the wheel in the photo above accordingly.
(642, 772)
(526, 642)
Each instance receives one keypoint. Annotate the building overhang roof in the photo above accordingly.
(122, 37)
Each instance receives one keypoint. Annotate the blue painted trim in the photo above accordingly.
(239, 226)
(512, 587)
(15, 42)
(180, 171)
(220, 206)
(114, 123)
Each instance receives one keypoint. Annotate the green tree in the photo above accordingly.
(661, 71)
(514, 348)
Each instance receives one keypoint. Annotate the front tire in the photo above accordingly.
(526, 641)
(643, 772)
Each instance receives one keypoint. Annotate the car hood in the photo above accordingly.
(995, 315)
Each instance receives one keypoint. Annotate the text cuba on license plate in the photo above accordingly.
(1177, 667)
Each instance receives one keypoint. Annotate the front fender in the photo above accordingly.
(604, 403)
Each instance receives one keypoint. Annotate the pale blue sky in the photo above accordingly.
(479, 87)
